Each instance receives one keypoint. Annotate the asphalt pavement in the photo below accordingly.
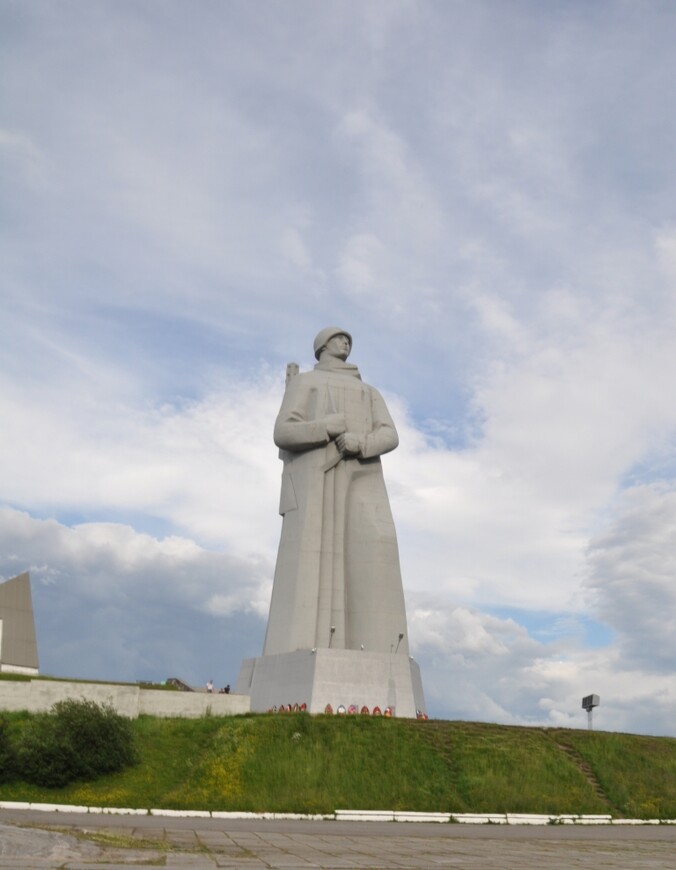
(83, 841)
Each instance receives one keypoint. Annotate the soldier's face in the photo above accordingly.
(339, 346)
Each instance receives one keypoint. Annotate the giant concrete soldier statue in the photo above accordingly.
(337, 582)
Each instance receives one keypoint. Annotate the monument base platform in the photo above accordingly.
(333, 676)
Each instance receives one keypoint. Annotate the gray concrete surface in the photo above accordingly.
(49, 840)
(38, 696)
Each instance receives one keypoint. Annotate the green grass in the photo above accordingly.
(500, 769)
(637, 773)
(302, 763)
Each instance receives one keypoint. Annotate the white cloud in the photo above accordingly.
(385, 269)
(665, 248)
(112, 603)
(294, 248)
(206, 466)
(363, 267)
(19, 150)
(112, 562)
(399, 196)
(633, 564)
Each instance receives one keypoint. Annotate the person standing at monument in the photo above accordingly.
(337, 580)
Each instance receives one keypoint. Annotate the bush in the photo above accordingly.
(7, 754)
(76, 740)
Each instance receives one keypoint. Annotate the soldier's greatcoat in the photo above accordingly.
(337, 581)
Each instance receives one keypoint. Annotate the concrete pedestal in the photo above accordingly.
(326, 676)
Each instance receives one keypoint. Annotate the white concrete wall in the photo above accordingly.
(38, 696)
(156, 702)
(15, 695)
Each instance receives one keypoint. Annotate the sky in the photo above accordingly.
(483, 192)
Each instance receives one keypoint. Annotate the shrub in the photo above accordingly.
(76, 740)
(7, 753)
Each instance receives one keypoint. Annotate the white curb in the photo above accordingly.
(350, 815)
(422, 817)
(364, 815)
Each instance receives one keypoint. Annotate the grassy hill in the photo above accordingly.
(301, 763)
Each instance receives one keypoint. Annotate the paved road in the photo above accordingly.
(50, 840)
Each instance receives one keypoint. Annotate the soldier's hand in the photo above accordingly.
(349, 444)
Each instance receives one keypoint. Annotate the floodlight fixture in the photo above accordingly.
(588, 704)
